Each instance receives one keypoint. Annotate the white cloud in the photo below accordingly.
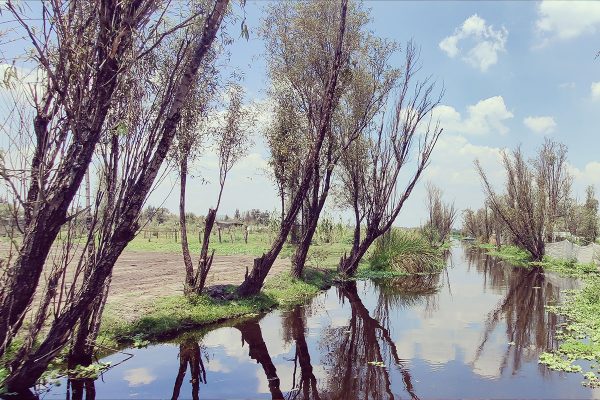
(486, 42)
(565, 20)
(541, 125)
(595, 89)
(139, 376)
(486, 117)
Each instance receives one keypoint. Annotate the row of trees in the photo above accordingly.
(127, 89)
(535, 204)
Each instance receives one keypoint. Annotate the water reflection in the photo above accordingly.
(190, 355)
(252, 335)
(529, 329)
(465, 332)
(359, 356)
(78, 389)
(304, 382)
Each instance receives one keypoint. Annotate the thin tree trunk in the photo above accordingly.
(314, 213)
(185, 248)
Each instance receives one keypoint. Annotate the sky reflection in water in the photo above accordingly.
(474, 330)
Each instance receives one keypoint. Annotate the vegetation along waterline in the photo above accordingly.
(168, 166)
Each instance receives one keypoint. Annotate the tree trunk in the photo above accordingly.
(185, 248)
(349, 263)
(312, 221)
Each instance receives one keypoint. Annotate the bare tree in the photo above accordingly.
(262, 265)
(81, 50)
(523, 207)
(152, 95)
(551, 167)
(362, 100)
(231, 141)
(372, 164)
(441, 216)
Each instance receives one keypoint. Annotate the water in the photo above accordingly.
(474, 330)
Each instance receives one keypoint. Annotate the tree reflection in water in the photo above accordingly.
(350, 352)
(189, 354)
(77, 388)
(258, 351)
(529, 329)
(304, 382)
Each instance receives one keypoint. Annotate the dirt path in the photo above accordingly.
(141, 277)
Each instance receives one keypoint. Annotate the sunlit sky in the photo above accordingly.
(513, 72)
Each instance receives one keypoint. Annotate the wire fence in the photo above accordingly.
(566, 250)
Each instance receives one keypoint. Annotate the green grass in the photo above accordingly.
(407, 252)
(258, 243)
(509, 253)
(174, 314)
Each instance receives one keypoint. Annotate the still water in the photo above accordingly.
(474, 330)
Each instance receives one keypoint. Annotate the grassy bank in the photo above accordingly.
(171, 315)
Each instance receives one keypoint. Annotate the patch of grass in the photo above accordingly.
(258, 243)
(570, 268)
(511, 254)
(404, 251)
(174, 314)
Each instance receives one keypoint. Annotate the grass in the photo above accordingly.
(258, 243)
(509, 253)
(175, 314)
(405, 252)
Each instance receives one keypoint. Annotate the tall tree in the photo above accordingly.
(551, 167)
(82, 50)
(589, 229)
(441, 216)
(135, 149)
(373, 162)
(231, 140)
(262, 265)
(523, 207)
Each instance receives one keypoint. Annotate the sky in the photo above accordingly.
(513, 72)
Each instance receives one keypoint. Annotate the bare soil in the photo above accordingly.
(141, 277)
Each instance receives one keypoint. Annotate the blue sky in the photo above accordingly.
(513, 72)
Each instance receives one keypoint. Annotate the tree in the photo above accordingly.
(551, 167)
(81, 50)
(373, 162)
(136, 139)
(262, 265)
(523, 207)
(361, 100)
(231, 141)
(589, 229)
(441, 216)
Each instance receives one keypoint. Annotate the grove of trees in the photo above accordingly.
(125, 92)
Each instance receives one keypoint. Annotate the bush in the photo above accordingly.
(405, 251)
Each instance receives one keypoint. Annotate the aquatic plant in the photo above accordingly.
(405, 251)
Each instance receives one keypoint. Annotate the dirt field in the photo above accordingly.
(140, 277)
